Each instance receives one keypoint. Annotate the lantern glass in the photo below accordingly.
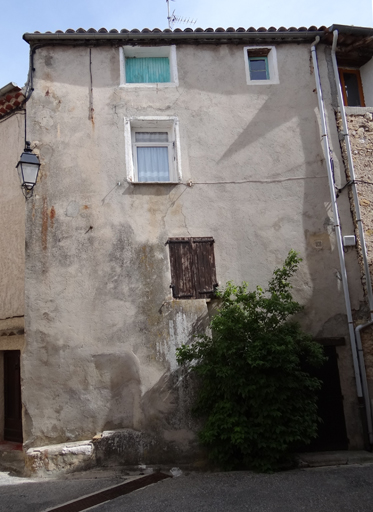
(30, 174)
(28, 168)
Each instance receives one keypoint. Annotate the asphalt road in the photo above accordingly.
(331, 489)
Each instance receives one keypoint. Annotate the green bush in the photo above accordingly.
(256, 395)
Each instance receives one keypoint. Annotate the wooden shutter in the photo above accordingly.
(181, 259)
(193, 273)
(204, 267)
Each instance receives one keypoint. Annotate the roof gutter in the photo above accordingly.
(172, 36)
(353, 31)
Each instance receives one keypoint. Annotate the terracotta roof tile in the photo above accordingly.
(103, 30)
(11, 101)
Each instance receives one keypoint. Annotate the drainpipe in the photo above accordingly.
(361, 236)
(337, 228)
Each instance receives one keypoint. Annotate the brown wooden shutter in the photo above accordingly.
(204, 267)
(193, 272)
(181, 259)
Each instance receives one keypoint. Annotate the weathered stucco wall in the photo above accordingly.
(12, 244)
(102, 327)
(12, 215)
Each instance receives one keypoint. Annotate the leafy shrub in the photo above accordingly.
(256, 395)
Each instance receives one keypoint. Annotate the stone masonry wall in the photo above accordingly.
(361, 138)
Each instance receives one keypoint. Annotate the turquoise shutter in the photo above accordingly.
(147, 70)
(258, 68)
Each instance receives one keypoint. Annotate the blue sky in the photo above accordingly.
(51, 15)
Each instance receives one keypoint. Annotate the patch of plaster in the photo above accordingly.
(72, 209)
(179, 330)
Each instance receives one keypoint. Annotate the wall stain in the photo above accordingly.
(52, 215)
(44, 225)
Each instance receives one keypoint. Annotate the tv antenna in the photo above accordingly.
(173, 18)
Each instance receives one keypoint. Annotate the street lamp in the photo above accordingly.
(28, 168)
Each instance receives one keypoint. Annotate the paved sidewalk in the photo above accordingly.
(327, 489)
(346, 488)
(35, 495)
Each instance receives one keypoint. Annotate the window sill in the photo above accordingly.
(358, 110)
(156, 85)
(263, 82)
(154, 182)
(189, 300)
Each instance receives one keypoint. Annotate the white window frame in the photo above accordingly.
(146, 51)
(167, 124)
(272, 66)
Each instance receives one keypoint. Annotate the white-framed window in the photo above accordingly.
(261, 65)
(152, 146)
(144, 66)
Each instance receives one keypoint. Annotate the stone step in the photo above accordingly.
(336, 458)
(12, 460)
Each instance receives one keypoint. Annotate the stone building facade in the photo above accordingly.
(12, 252)
(112, 241)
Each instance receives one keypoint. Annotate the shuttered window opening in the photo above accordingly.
(147, 70)
(193, 271)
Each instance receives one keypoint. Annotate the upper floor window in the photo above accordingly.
(152, 149)
(352, 89)
(258, 67)
(261, 65)
(143, 66)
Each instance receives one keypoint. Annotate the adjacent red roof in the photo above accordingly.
(11, 97)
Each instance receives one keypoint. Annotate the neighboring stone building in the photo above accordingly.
(171, 162)
(355, 65)
(12, 261)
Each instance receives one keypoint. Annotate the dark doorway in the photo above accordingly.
(12, 396)
(332, 434)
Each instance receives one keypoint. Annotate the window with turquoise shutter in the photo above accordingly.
(141, 70)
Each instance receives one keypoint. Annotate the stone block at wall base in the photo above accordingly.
(126, 448)
(49, 461)
(129, 447)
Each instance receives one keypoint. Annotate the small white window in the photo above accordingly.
(143, 66)
(152, 150)
(261, 65)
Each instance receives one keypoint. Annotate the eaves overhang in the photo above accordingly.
(354, 44)
(10, 87)
(177, 36)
